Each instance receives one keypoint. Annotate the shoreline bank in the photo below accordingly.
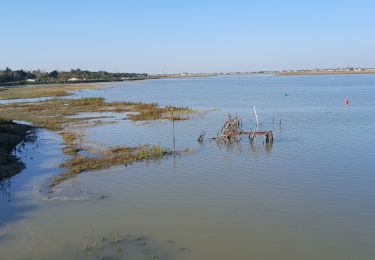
(11, 134)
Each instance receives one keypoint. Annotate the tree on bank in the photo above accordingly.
(21, 76)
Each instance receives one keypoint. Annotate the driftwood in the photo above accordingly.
(201, 137)
(232, 132)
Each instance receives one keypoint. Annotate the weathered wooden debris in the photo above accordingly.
(232, 132)
(201, 137)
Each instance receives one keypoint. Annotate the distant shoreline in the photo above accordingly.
(271, 73)
(325, 72)
(102, 83)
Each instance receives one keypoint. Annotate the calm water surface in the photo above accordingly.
(309, 196)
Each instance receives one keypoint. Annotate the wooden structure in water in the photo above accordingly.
(232, 132)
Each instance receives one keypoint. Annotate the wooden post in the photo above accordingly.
(174, 136)
(269, 137)
(281, 116)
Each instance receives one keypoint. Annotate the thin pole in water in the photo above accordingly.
(256, 115)
(174, 135)
(281, 116)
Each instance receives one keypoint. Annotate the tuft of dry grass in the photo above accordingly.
(71, 150)
(145, 112)
(68, 137)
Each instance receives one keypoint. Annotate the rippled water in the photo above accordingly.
(309, 196)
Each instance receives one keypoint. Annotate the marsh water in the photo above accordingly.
(310, 195)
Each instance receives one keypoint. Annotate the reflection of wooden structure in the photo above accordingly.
(268, 135)
(232, 132)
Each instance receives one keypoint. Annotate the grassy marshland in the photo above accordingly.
(54, 114)
(11, 134)
(43, 91)
(58, 115)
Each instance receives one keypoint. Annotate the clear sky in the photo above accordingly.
(186, 36)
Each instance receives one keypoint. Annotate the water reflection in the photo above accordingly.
(230, 147)
(266, 146)
(13, 163)
(5, 185)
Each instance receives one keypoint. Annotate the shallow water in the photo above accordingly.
(311, 195)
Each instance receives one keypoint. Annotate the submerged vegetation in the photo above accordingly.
(11, 134)
(71, 147)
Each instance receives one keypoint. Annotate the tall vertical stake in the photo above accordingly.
(174, 136)
(256, 115)
(174, 144)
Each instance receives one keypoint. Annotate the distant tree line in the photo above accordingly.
(74, 75)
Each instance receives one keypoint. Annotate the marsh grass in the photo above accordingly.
(53, 114)
(71, 150)
(146, 112)
(43, 91)
(119, 155)
(68, 137)
(62, 114)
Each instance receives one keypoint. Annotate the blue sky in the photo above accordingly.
(186, 36)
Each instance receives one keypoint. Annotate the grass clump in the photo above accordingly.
(107, 158)
(145, 112)
(68, 137)
(71, 150)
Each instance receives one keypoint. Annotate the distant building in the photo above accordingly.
(73, 79)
